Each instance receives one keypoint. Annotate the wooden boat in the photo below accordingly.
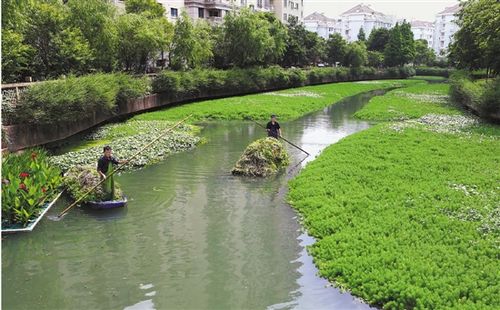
(110, 204)
(31, 225)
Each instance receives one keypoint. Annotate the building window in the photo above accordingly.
(259, 3)
(214, 13)
(201, 13)
(173, 12)
(285, 17)
(285, 4)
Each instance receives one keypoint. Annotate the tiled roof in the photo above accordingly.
(319, 17)
(361, 8)
(451, 10)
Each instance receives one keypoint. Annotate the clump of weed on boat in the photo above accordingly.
(80, 179)
(262, 158)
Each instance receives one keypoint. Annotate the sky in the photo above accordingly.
(425, 10)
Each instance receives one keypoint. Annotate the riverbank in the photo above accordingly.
(406, 213)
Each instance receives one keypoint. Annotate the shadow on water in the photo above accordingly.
(192, 237)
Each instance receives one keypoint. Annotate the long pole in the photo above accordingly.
(122, 165)
(283, 138)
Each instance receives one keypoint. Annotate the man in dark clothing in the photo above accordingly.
(104, 167)
(273, 128)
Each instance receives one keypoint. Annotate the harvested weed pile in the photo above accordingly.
(262, 158)
(80, 179)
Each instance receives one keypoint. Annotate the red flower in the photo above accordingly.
(23, 186)
(33, 155)
(44, 190)
(24, 175)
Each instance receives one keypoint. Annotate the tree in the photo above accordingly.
(151, 8)
(408, 47)
(295, 52)
(315, 48)
(378, 39)
(74, 54)
(191, 46)
(251, 39)
(15, 56)
(356, 55)
(393, 52)
(140, 40)
(336, 48)
(96, 20)
(361, 35)
(423, 54)
(477, 42)
(375, 59)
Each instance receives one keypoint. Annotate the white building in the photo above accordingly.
(284, 9)
(322, 25)
(423, 30)
(363, 16)
(445, 28)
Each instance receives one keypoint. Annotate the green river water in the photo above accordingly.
(192, 237)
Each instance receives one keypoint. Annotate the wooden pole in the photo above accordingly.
(283, 138)
(122, 165)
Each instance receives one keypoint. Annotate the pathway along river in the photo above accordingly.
(192, 236)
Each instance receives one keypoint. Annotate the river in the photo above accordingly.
(192, 237)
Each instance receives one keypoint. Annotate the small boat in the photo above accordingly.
(110, 204)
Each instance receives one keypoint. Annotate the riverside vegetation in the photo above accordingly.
(406, 213)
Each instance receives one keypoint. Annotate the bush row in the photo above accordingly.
(434, 71)
(76, 98)
(482, 96)
(199, 82)
(73, 98)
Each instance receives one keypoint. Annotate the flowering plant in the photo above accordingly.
(28, 181)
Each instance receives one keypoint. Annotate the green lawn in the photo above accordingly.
(407, 218)
(287, 104)
(410, 102)
(428, 78)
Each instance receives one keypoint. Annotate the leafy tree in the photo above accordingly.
(140, 40)
(393, 52)
(14, 14)
(423, 54)
(408, 47)
(15, 56)
(251, 39)
(378, 39)
(151, 8)
(477, 42)
(74, 54)
(375, 59)
(96, 21)
(279, 37)
(191, 46)
(336, 48)
(361, 35)
(315, 48)
(356, 55)
(295, 52)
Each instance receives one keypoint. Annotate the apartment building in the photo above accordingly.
(423, 30)
(211, 10)
(445, 28)
(322, 25)
(363, 16)
(285, 9)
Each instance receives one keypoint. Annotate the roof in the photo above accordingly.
(361, 8)
(420, 23)
(319, 17)
(451, 9)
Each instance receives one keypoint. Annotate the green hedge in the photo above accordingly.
(481, 96)
(74, 98)
(434, 71)
(197, 82)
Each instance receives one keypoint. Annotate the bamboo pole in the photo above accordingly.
(122, 165)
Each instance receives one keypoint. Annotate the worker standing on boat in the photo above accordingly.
(104, 167)
(273, 128)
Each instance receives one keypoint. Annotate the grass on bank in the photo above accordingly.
(287, 104)
(407, 218)
(410, 102)
(429, 78)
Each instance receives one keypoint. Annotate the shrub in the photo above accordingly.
(28, 181)
(434, 71)
(75, 98)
